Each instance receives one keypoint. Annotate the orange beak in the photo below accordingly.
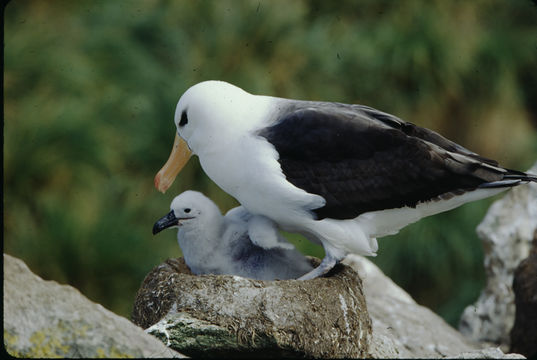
(178, 158)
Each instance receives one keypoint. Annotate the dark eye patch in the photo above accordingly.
(184, 119)
(187, 210)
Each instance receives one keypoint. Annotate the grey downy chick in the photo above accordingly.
(216, 244)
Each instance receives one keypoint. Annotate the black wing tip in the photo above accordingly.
(512, 178)
(523, 176)
(500, 184)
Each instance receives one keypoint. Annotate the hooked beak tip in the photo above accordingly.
(165, 222)
(156, 229)
(158, 183)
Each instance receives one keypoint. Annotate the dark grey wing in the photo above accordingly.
(362, 160)
(419, 132)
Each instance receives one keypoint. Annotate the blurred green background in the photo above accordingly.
(90, 89)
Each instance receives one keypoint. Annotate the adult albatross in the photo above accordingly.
(340, 174)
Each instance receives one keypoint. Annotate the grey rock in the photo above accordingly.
(506, 233)
(488, 353)
(222, 315)
(46, 319)
(401, 327)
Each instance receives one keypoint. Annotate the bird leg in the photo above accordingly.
(332, 256)
(264, 233)
(325, 266)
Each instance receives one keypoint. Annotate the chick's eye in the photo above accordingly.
(187, 210)
(184, 119)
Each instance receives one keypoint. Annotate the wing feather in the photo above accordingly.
(360, 159)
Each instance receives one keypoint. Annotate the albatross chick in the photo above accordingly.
(216, 244)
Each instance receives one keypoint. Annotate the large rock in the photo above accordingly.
(506, 233)
(217, 315)
(487, 353)
(211, 316)
(45, 319)
(404, 329)
(524, 332)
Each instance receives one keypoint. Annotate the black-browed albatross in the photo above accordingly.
(340, 174)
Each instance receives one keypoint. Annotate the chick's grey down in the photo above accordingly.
(216, 244)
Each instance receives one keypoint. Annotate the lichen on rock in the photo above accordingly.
(43, 319)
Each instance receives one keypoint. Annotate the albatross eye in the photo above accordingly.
(186, 210)
(184, 119)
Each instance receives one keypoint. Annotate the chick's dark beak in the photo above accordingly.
(165, 222)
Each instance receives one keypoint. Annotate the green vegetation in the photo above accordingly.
(90, 89)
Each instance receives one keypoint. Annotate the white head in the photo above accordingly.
(207, 109)
(190, 209)
(209, 116)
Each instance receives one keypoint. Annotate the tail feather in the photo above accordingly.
(499, 184)
(512, 178)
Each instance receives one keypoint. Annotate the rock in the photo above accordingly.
(401, 327)
(524, 332)
(45, 319)
(404, 329)
(506, 233)
(217, 316)
(221, 315)
(488, 353)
